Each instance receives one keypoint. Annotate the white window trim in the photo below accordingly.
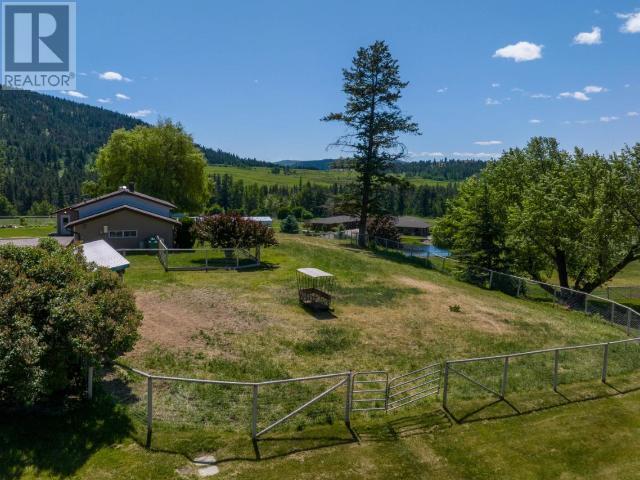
(121, 234)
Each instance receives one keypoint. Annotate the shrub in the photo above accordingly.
(56, 313)
(215, 209)
(186, 235)
(289, 225)
(283, 213)
(233, 231)
(383, 226)
(455, 308)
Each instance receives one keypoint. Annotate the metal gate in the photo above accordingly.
(373, 390)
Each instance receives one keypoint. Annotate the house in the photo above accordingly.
(329, 223)
(412, 226)
(124, 219)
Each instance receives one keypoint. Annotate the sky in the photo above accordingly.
(255, 77)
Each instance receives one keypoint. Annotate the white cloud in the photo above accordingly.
(442, 90)
(74, 94)
(608, 119)
(594, 37)
(520, 52)
(540, 95)
(627, 85)
(492, 101)
(632, 23)
(632, 114)
(122, 96)
(583, 122)
(495, 85)
(594, 89)
(475, 154)
(425, 154)
(113, 76)
(104, 100)
(488, 142)
(575, 95)
(535, 121)
(517, 89)
(141, 113)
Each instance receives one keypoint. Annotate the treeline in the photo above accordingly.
(452, 170)
(253, 199)
(218, 157)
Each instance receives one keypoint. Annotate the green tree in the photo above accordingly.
(41, 208)
(58, 313)
(541, 210)
(289, 225)
(374, 120)
(6, 207)
(161, 160)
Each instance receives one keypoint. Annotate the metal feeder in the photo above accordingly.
(314, 288)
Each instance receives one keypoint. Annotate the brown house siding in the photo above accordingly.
(124, 220)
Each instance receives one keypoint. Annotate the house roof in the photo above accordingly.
(411, 222)
(103, 255)
(121, 191)
(337, 219)
(123, 207)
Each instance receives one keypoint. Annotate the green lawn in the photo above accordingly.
(264, 176)
(390, 313)
(30, 231)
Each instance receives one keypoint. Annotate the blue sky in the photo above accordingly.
(255, 77)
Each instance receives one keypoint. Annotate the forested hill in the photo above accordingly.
(46, 143)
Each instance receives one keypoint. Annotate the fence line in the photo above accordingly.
(608, 309)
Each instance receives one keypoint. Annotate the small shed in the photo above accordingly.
(103, 255)
(315, 288)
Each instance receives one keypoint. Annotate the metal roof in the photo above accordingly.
(411, 222)
(103, 255)
(333, 220)
(314, 272)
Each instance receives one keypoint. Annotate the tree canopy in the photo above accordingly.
(56, 314)
(541, 210)
(161, 160)
(374, 120)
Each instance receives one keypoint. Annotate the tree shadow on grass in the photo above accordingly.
(59, 443)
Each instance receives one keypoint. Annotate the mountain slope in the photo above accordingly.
(47, 142)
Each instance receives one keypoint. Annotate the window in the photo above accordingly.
(123, 233)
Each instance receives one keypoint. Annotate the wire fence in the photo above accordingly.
(26, 221)
(204, 259)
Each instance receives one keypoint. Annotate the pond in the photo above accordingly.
(426, 251)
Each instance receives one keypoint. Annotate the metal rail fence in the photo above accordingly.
(537, 370)
(204, 259)
(607, 308)
(26, 220)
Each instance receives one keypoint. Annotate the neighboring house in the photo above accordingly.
(328, 223)
(124, 219)
(412, 226)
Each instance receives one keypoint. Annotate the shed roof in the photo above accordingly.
(411, 222)
(314, 272)
(103, 255)
(123, 207)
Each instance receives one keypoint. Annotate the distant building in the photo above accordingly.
(124, 219)
(412, 226)
(328, 223)
(268, 221)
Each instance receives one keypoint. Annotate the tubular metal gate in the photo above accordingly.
(373, 390)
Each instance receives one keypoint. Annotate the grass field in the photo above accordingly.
(264, 176)
(389, 314)
(31, 231)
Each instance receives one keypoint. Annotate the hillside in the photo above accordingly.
(47, 142)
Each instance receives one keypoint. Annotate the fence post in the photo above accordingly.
(254, 413)
(556, 360)
(505, 377)
(90, 383)
(586, 304)
(628, 321)
(206, 260)
(347, 400)
(149, 409)
(445, 386)
(490, 279)
(605, 362)
(613, 311)
(519, 287)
